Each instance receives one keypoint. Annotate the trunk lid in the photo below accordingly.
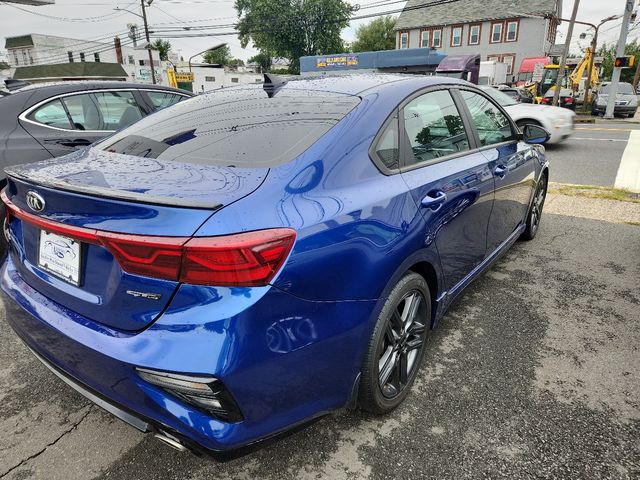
(108, 192)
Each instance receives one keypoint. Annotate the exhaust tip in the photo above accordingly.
(171, 441)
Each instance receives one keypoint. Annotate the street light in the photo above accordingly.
(594, 45)
(215, 47)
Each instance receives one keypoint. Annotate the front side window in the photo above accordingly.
(433, 127)
(239, 127)
(424, 39)
(162, 100)
(404, 40)
(437, 38)
(103, 110)
(474, 35)
(512, 32)
(496, 33)
(456, 36)
(492, 125)
(51, 114)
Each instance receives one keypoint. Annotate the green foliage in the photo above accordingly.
(293, 28)
(263, 59)
(163, 47)
(220, 56)
(376, 35)
(608, 54)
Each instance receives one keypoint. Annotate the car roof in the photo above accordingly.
(357, 83)
(55, 88)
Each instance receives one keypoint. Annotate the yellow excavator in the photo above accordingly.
(571, 80)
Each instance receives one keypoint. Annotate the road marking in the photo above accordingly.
(606, 129)
(628, 176)
(599, 139)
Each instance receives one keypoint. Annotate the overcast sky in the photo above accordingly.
(96, 19)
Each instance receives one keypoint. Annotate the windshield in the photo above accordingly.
(234, 127)
(500, 97)
(623, 88)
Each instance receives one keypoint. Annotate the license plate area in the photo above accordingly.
(60, 256)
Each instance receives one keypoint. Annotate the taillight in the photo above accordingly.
(568, 100)
(242, 259)
(545, 100)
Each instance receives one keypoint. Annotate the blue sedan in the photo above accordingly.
(253, 258)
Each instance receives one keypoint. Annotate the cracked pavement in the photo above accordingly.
(533, 373)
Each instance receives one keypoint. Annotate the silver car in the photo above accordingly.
(626, 100)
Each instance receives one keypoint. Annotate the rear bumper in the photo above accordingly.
(276, 388)
(617, 110)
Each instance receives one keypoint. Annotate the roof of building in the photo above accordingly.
(71, 70)
(450, 12)
(21, 41)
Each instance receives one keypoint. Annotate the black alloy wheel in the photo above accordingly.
(535, 211)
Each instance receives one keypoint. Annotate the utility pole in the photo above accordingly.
(563, 60)
(622, 42)
(636, 77)
(146, 32)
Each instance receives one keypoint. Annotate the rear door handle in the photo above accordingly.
(500, 171)
(434, 200)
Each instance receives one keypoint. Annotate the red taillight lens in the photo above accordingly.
(568, 100)
(242, 259)
(546, 100)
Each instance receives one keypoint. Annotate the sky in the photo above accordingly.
(97, 20)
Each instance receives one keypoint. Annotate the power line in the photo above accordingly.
(95, 19)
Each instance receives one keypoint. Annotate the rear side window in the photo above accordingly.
(103, 110)
(492, 125)
(235, 127)
(387, 146)
(52, 114)
(161, 100)
(434, 127)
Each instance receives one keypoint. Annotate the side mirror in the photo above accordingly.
(535, 134)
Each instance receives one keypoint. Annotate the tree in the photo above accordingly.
(293, 28)
(376, 35)
(263, 59)
(163, 47)
(608, 54)
(220, 56)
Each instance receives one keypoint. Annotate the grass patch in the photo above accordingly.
(593, 191)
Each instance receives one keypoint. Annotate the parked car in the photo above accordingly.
(566, 98)
(520, 95)
(626, 100)
(43, 121)
(246, 261)
(558, 121)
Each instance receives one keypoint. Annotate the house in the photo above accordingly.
(35, 56)
(206, 76)
(502, 30)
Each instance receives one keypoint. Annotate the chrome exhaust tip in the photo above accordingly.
(171, 441)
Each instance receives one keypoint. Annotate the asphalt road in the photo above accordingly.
(591, 156)
(533, 373)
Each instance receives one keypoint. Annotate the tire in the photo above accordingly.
(534, 216)
(395, 352)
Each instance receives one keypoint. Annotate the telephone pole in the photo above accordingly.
(622, 42)
(146, 32)
(565, 53)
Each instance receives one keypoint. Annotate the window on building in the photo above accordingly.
(15, 59)
(512, 31)
(456, 36)
(209, 79)
(492, 125)
(82, 56)
(131, 60)
(510, 61)
(474, 34)
(259, 80)
(493, 58)
(436, 35)
(425, 39)
(404, 39)
(234, 79)
(30, 57)
(96, 57)
(434, 127)
(141, 63)
(70, 55)
(24, 57)
(496, 32)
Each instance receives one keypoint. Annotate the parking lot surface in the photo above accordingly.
(533, 373)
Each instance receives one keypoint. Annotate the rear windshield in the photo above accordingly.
(234, 127)
(624, 88)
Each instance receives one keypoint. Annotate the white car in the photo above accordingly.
(558, 121)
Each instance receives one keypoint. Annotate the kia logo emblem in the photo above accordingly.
(35, 201)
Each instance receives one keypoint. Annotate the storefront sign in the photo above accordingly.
(337, 61)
